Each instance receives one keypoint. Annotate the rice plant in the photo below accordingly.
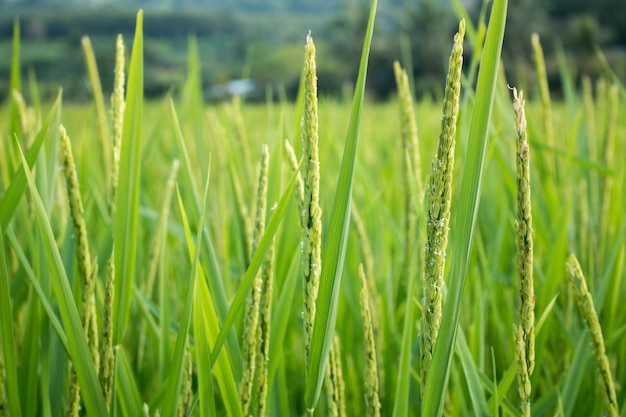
(292, 286)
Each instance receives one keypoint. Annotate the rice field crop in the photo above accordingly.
(459, 256)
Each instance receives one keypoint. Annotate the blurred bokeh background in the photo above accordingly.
(263, 41)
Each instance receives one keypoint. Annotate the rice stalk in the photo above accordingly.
(243, 212)
(186, 397)
(239, 131)
(601, 105)
(28, 119)
(293, 162)
(372, 399)
(594, 124)
(335, 385)
(412, 170)
(439, 193)
(253, 307)
(364, 244)
(107, 362)
(85, 266)
(590, 317)
(117, 115)
(263, 335)
(157, 250)
(606, 187)
(525, 332)
(96, 86)
(312, 214)
(546, 105)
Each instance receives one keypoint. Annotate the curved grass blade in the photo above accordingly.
(334, 251)
(125, 385)
(30, 274)
(210, 323)
(437, 381)
(14, 192)
(98, 99)
(280, 321)
(8, 338)
(472, 377)
(218, 292)
(401, 404)
(78, 349)
(127, 198)
(203, 358)
(16, 85)
(255, 264)
(176, 376)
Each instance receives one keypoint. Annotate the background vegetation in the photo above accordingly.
(262, 40)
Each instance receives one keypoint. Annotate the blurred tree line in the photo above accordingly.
(264, 39)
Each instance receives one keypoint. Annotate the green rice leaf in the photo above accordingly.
(437, 381)
(209, 321)
(126, 385)
(32, 278)
(175, 379)
(575, 375)
(127, 198)
(472, 378)
(98, 99)
(78, 349)
(278, 328)
(255, 264)
(333, 253)
(216, 282)
(401, 402)
(16, 85)
(203, 357)
(14, 192)
(8, 338)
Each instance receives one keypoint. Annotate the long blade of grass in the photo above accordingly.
(437, 381)
(401, 402)
(255, 264)
(98, 99)
(79, 351)
(575, 376)
(472, 377)
(125, 385)
(32, 278)
(8, 338)
(278, 327)
(334, 251)
(14, 192)
(210, 323)
(218, 292)
(16, 85)
(176, 375)
(127, 198)
(203, 358)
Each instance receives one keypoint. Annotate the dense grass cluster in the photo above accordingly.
(169, 258)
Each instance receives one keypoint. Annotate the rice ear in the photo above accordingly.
(439, 195)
